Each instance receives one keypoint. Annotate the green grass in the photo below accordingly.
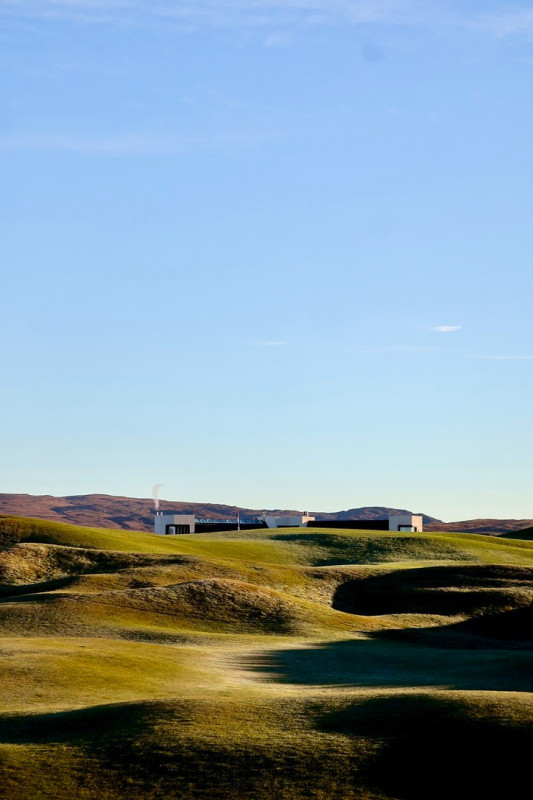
(21, 530)
(57, 674)
(290, 664)
(315, 546)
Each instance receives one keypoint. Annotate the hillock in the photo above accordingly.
(285, 664)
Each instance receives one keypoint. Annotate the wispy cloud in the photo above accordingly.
(276, 15)
(510, 22)
(270, 343)
(88, 11)
(215, 12)
(278, 40)
(130, 144)
(393, 348)
(261, 13)
(446, 328)
(504, 358)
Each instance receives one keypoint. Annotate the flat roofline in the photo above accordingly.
(172, 514)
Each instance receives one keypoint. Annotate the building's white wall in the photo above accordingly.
(399, 520)
(159, 524)
(296, 521)
(162, 520)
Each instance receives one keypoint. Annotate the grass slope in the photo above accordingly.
(522, 533)
(263, 664)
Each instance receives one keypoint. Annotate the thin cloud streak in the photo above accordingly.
(503, 358)
(279, 14)
(271, 343)
(395, 348)
(513, 22)
(278, 40)
(130, 144)
(446, 328)
(215, 12)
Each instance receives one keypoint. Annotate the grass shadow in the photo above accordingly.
(329, 549)
(510, 630)
(439, 747)
(16, 590)
(380, 662)
(74, 726)
(151, 751)
(435, 590)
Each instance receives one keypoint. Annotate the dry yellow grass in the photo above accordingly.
(284, 665)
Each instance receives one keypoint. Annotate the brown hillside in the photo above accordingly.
(491, 527)
(134, 513)
(106, 511)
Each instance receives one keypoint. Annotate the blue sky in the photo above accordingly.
(277, 254)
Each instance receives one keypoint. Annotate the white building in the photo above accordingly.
(409, 523)
(166, 523)
(292, 521)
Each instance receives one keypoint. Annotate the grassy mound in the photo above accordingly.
(442, 746)
(272, 748)
(293, 546)
(513, 626)
(31, 565)
(215, 605)
(437, 590)
(19, 529)
(523, 533)
(262, 664)
(222, 603)
(23, 564)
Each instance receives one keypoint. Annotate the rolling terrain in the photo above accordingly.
(284, 664)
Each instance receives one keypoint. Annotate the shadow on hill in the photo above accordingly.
(406, 747)
(150, 751)
(16, 590)
(439, 747)
(333, 549)
(381, 662)
(74, 726)
(510, 629)
(521, 533)
(435, 590)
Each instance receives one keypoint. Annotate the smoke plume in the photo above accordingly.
(155, 495)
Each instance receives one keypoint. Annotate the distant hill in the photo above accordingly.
(107, 511)
(133, 513)
(371, 513)
(490, 527)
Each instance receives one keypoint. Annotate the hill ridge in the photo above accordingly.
(132, 513)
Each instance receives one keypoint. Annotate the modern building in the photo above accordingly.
(168, 523)
(409, 523)
(171, 523)
(290, 521)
